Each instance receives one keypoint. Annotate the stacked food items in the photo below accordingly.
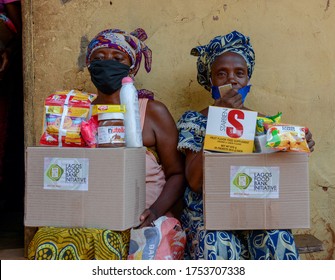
(72, 121)
(64, 113)
(105, 128)
(272, 135)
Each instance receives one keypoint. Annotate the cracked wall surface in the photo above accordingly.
(294, 73)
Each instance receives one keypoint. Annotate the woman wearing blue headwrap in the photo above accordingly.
(228, 59)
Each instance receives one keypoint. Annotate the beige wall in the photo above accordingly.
(294, 43)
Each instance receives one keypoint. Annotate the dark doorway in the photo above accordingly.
(11, 128)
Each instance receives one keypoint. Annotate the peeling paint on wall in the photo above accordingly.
(65, 1)
(84, 41)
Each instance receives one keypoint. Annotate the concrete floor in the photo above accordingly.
(12, 254)
(11, 236)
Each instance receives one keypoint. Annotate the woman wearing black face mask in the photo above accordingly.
(107, 74)
(111, 56)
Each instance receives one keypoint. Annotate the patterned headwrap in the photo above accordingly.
(232, 42)
(129, 43)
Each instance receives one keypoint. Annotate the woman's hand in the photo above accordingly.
(231, 99)
(147, 218)
(310, 141)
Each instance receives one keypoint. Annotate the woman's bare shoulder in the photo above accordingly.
(157, 109)
(156, 106)
(159, 115)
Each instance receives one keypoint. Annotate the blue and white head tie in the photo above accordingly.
(233, 42)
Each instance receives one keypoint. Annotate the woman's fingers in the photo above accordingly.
(309, 139)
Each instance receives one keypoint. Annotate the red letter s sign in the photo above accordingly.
(237, 130)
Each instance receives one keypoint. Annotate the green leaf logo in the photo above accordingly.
(242, 181)
(55, 172)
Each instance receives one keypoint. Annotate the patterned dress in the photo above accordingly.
(224, 245)
(51, 243)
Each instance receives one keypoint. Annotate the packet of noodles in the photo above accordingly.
(261, 121)
(286, 137)
(64, 111)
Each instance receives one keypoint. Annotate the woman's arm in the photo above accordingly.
(194, 170)
(166, 140)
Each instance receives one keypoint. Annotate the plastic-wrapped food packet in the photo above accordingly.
(261, 121)
(64, 112)
(286, 137)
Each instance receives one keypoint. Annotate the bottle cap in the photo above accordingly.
(110, 116)
(127, 80)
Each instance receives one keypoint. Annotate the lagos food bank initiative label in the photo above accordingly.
(254, 182)
(66, 174)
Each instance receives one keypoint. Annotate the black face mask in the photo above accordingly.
(107, 75)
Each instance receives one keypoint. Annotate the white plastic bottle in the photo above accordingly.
(132, 122)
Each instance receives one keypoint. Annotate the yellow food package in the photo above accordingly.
(262, 121)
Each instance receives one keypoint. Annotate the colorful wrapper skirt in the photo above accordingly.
(205, 244)
(50, 243)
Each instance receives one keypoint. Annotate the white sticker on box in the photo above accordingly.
(66, 174)
(254, 182)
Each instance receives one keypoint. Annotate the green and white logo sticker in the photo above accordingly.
(66, 174)
(242, 181)
(254, 181)
(55, 172)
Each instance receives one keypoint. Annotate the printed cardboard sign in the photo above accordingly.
(230, 130)
(66, 174)
(254, 181)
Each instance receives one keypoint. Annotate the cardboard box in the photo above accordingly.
(230, 130)
(82, 187)
(256, 191)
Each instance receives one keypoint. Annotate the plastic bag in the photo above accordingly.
(164, 241)
(89, 131)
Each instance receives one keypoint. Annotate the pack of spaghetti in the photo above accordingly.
(64, 113)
